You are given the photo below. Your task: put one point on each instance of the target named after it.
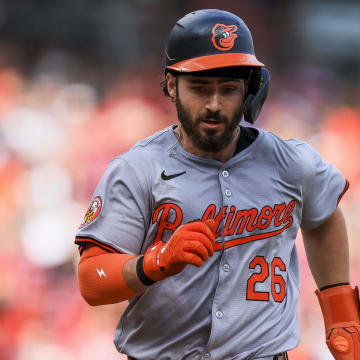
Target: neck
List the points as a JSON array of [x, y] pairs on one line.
[[222, 155]]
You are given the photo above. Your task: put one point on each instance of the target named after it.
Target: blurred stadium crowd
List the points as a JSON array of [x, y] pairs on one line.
[[59, 130]]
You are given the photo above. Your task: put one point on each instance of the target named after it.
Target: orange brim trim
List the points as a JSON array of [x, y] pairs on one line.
[[215, 61]]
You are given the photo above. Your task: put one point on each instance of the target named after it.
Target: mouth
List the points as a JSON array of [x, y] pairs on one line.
[[211, 123], [227, 40]]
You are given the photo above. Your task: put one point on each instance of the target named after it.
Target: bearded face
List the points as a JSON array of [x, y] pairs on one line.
[[220, 130]]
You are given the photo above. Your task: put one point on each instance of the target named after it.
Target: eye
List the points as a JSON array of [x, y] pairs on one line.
[[229, 90], [200, 90]]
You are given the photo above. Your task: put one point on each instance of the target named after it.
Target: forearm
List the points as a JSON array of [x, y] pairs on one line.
[[131, 276], [327, 251], [107, 278]]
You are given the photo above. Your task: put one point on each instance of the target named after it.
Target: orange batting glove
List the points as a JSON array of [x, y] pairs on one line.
[[191, 243], [341, 311]]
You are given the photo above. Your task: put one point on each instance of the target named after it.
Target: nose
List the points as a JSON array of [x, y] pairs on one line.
[[214, 102]]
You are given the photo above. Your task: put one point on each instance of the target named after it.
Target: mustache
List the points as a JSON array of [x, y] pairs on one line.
[[212, 115]]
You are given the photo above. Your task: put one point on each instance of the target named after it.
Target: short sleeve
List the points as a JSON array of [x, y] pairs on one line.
[[323, 187], [116, 217]]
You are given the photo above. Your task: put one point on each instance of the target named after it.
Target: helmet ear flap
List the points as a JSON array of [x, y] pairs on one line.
[[256, 94], [254, 81]]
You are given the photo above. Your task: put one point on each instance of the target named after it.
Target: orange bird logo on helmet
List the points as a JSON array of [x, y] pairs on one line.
[[223, 36]]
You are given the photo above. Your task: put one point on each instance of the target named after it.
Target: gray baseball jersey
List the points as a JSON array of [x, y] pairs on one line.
[[242, 303]]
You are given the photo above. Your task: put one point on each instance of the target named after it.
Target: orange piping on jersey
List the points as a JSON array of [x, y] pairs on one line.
[[247, 239], [81, 240], [347, 185]]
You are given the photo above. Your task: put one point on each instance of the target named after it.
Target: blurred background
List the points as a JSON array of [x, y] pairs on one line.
[[79, 84]]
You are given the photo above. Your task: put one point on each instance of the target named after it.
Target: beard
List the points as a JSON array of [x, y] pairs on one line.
[[209, 140]]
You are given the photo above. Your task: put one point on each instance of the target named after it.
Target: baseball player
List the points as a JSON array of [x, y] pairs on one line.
[[196, 225]]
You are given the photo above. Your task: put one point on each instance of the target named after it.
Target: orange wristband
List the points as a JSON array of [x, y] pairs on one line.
[[339, 305], [341, 310]]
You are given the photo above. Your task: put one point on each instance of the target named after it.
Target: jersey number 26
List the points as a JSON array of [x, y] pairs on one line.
[[277, 281]]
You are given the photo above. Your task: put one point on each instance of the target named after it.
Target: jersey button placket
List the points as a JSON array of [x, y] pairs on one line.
[[219, 314], [225, 173], [219, 305]]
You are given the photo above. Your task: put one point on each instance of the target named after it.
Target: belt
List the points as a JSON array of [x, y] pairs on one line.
[[282, 356]]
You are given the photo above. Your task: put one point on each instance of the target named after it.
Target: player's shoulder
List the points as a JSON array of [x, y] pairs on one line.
[[293, 148], [159, 142], [294, 159], [150, 148], [146, 152], [159, 139]]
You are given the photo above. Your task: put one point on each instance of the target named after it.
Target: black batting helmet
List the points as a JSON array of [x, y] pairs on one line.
[[212, 39]]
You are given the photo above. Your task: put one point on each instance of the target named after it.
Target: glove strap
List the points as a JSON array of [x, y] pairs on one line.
[[140, 273]]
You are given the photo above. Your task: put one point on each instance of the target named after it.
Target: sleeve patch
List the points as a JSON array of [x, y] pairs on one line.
[[92, 212]]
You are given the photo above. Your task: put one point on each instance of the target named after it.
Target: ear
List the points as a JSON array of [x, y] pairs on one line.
[[171, 85]]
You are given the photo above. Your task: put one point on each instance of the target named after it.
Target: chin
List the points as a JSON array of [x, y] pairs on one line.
[[211, 144]]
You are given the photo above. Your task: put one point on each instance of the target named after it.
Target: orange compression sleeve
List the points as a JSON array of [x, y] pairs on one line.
[[101, 277]]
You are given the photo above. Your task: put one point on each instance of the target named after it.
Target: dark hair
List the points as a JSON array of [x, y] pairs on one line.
[[163, 84], [236, 72]]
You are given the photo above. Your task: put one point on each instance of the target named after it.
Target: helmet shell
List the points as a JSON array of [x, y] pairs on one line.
[[209, 39]]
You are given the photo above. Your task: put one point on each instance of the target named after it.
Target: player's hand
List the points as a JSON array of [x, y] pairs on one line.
[[341, 311], [191, 243]]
